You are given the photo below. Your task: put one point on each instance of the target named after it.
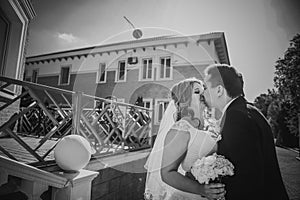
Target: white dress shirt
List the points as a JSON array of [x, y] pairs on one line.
[[226, 106]]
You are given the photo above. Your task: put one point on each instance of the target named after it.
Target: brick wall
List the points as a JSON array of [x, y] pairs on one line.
[[118, 184]]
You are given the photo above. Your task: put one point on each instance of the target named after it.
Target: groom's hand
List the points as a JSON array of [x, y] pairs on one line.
[[214, 191]]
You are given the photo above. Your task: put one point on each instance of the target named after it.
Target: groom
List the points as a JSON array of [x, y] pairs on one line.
[[247, 139]]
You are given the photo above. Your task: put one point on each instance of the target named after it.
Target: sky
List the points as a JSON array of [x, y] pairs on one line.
[[257, 32]]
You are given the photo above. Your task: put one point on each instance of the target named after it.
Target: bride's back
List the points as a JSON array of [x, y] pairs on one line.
[[200, 144]]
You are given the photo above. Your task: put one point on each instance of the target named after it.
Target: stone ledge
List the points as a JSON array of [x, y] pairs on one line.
[[112, 161]]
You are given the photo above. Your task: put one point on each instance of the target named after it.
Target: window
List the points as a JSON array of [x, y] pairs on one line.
[[165, 68], [147, 103], [101, 76], [25, 76], [64, 78], [160, 107], [4, 32], [34, 76], [121, 72], [147, 69]]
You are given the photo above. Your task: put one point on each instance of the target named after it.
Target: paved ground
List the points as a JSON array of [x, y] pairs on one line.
[[290, 170]]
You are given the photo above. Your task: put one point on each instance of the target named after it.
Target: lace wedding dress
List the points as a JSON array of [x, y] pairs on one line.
[[201, 144]]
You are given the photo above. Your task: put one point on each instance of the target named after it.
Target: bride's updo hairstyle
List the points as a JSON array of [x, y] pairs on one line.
[[181, 93]]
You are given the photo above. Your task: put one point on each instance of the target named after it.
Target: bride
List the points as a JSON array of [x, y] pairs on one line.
[[180, 141]]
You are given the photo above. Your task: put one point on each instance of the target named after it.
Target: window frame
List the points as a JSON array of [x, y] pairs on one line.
[[118, 72], [150, 100], [60, 75], [37, 75], [159, 68], [156, 110], [5, 45], [141, 69], [99, 73]]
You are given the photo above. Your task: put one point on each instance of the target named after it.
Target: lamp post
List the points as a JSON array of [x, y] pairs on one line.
[[137, 33]]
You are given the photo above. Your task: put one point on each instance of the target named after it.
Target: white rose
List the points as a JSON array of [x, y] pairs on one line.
[[210, 160]]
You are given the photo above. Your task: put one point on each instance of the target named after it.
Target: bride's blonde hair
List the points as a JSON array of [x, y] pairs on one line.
[[181, 93]]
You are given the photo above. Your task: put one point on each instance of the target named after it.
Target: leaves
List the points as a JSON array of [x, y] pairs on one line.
[[287, 81], [282, 106]]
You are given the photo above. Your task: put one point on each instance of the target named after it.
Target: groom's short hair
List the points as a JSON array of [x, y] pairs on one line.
[[228, 77]]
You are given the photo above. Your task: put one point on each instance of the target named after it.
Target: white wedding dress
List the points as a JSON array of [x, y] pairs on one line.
[[201, 143]]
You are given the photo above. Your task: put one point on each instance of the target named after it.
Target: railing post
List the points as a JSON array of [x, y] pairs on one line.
[[33, 188], [80, 186], [77, 108]]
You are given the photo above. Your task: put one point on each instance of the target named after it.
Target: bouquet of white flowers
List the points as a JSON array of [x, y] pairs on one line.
[[212, 168]]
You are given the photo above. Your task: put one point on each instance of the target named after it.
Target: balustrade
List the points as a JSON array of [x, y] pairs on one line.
[[47, 114]]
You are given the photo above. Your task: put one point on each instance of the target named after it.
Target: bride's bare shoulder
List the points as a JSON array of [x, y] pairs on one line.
[[179, 133], [182, 125]]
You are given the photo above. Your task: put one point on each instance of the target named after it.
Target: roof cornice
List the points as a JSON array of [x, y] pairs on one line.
[[126, 46]]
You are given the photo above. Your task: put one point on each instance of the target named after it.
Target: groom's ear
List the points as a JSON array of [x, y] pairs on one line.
[[220, 90]]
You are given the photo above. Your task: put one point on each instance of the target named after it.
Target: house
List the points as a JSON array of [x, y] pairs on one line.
[[130, 70], [15, 16]]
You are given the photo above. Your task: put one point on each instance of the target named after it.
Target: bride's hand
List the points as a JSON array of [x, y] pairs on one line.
[[214, 191]]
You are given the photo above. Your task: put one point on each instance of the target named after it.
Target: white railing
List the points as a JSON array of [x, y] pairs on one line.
[[49, 114]]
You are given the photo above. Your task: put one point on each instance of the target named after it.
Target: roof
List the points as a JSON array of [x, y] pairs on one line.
[[217, 37]]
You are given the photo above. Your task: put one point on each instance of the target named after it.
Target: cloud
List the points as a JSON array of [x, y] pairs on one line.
[[69, 38]]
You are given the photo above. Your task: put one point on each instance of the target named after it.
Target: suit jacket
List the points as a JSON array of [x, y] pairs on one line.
[[247, 141]]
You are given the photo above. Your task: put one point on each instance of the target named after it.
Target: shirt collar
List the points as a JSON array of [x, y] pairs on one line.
[[226, 106]]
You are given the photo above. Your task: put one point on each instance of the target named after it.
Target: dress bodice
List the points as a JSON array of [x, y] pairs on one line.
[[201, 143]]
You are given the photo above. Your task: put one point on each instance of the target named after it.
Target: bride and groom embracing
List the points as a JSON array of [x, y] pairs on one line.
[[246, 140]]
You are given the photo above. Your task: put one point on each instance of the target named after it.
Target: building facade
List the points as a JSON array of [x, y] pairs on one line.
[[15, 16], [130, 70]]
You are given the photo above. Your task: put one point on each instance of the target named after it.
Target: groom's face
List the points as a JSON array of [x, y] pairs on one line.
[[210, 93]]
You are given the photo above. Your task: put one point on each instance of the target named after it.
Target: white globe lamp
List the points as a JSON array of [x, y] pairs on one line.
[[72, 153]]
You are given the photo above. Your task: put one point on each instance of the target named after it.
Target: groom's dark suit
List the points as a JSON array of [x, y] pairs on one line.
[[247, 141]]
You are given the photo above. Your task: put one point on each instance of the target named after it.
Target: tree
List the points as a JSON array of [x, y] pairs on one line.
[[273, 114], [263, 101], [270, 105], [287, 81]]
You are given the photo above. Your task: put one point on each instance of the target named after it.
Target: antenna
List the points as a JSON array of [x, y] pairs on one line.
[[137, 33]]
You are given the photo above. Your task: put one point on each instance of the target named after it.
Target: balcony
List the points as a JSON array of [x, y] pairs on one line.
[[119, 133]]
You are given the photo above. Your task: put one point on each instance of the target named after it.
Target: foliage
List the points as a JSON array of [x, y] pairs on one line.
[[287, 81], [270, 105], [263, 101]]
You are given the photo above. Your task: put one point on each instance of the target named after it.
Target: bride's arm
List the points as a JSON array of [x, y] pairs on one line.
[[175, 147]]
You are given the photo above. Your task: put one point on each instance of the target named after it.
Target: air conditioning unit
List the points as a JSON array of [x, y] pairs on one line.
[[132, 60]]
